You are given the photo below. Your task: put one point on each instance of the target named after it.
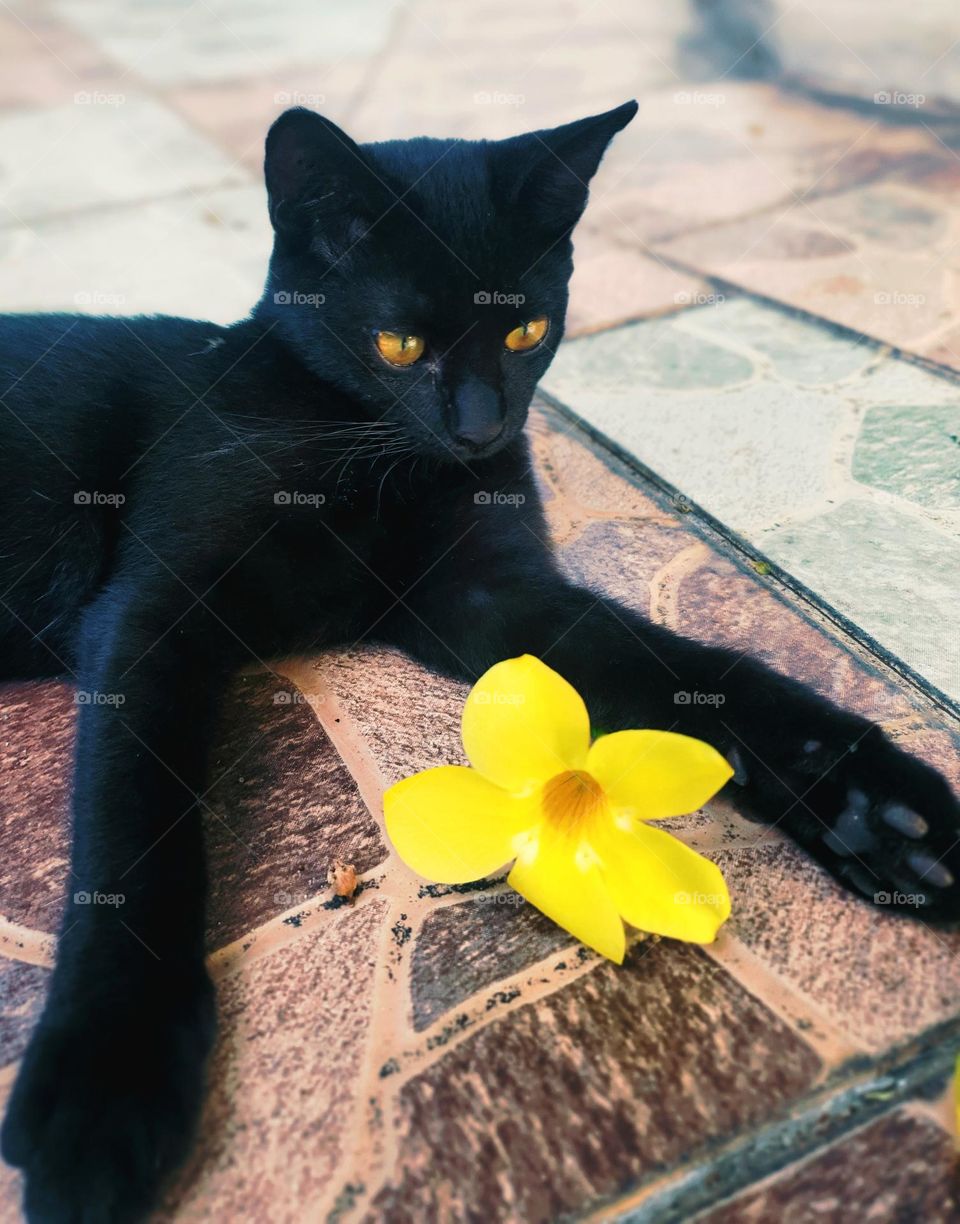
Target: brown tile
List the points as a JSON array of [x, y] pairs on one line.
[[36, 749], [237, 114], [22, 992], [612, 284], [722, 604], [622, 1074], [880, 977], [587, 475], [898, 1168], [44, 63], [283, 1077], [282, 806], [409, 718], [880, 259], [619, 560], [715, 151], [461, 949], [284, 809]]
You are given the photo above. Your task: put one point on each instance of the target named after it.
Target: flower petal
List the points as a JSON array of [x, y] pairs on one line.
[[660, 885], [451, 826], [523, 723], [655, 774], [571, 891]]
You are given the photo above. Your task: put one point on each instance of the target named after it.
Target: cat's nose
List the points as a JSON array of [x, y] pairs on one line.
[[477, 419]]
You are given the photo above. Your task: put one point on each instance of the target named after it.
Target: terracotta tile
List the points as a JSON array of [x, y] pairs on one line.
[[238, 113], [36, 750], [724, 605], [880, 259], [713, 151], [880, 977], [409, 717], [659, 1057], [900, 1167], [23, 989], [612, 284], [283, 1077], [284, 810], [619, 560], [461, 949], [44, 63]]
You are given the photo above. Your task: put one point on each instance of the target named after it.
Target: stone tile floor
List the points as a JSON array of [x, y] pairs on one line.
[[790, 487]]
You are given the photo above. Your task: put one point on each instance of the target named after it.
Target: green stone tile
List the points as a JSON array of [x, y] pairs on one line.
[[889, 572], [912, 450], [799, 440]]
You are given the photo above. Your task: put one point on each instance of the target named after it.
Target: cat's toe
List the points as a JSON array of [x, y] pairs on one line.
[[900, 850]]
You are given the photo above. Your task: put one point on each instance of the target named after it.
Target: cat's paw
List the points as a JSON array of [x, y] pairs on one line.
[[885, 824], [106, 1103]]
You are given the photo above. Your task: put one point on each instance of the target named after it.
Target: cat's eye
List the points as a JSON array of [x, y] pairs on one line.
[[398, 349], [527, 336]]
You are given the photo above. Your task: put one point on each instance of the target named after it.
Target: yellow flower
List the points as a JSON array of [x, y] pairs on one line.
[[572, 814]]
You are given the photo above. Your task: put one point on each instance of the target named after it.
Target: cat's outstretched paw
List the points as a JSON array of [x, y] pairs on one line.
[[106, 1102], [885, 824]]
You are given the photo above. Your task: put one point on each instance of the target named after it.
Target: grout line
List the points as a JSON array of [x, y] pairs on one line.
[[748, 554]]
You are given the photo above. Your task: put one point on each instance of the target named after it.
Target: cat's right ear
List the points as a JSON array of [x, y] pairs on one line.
[[316, 174]]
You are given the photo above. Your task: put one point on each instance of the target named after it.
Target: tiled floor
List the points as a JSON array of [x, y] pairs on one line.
[[446, 1054]]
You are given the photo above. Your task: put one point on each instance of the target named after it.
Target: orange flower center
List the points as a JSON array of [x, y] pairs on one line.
[[571, 800]]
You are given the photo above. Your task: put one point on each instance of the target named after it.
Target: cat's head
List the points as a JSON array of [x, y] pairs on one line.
[[428, 278]]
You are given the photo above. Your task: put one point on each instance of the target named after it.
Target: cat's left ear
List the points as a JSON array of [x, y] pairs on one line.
[[551, 170]]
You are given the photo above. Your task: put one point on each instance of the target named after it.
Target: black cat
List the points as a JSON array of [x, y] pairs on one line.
[[179, 497]]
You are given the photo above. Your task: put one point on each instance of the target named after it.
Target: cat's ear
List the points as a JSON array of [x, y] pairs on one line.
[[316, 173], [552, 169]]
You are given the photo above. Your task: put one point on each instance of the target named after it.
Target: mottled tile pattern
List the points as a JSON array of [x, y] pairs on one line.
[[202, 255], [610, 1092], [881, 259], [898, 1168], [150, 151], [36, 749], [443, 1053], [22, 991], [807, 445], [463, 948], [281, 811]]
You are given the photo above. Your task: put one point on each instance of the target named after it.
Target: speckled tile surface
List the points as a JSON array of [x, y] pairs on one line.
[[828, 455]]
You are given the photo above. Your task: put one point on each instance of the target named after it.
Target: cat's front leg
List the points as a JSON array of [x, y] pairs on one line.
[[882, 822], [108, 1094]]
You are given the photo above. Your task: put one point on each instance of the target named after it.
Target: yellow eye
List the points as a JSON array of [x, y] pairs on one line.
[[399, 350], [527, 335]]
